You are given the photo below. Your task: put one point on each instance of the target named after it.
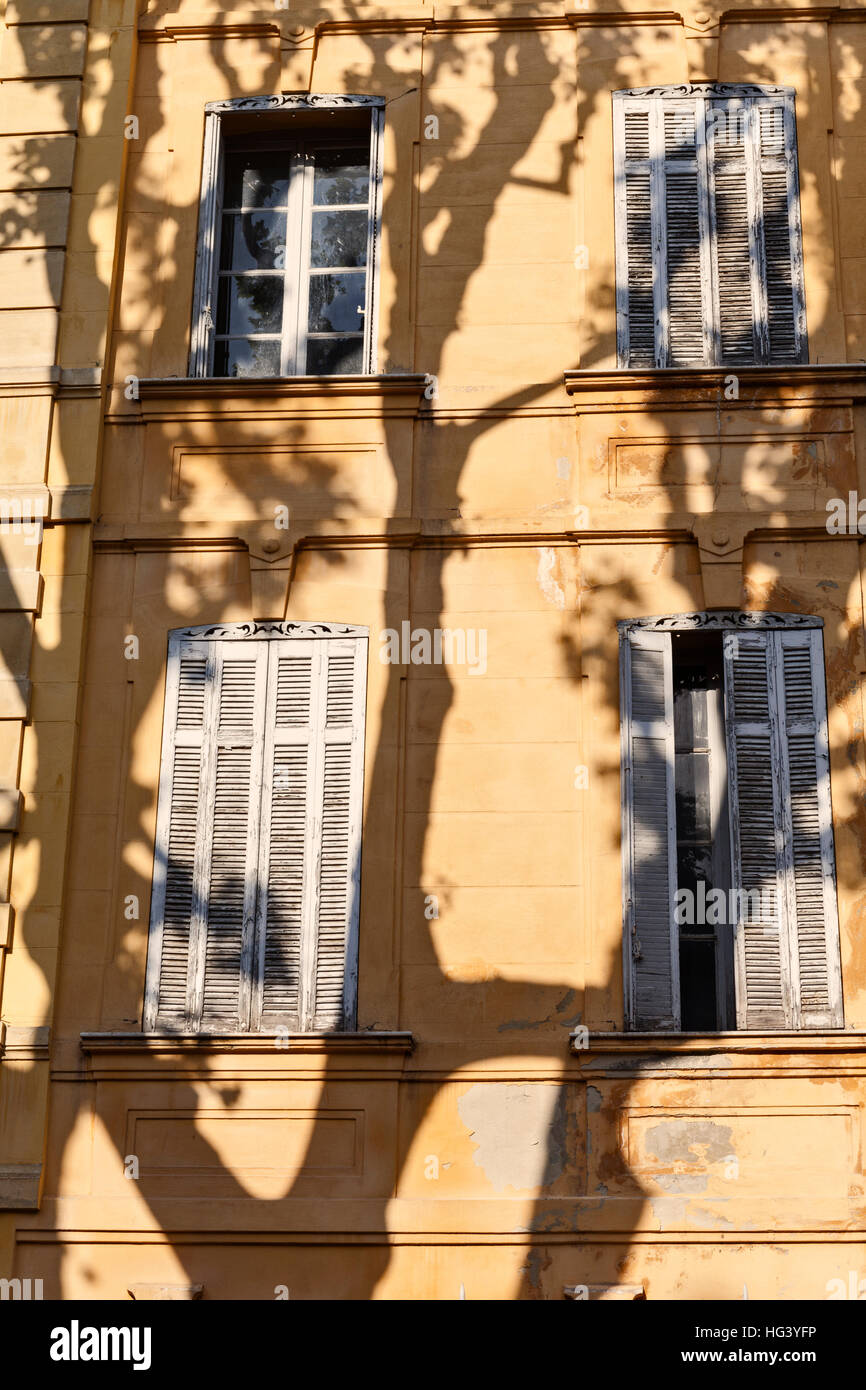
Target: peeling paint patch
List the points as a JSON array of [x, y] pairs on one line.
[[594, 1099], [689, 1141], [519, 1132], [547, 582], [537, 1261], [690, 1147]]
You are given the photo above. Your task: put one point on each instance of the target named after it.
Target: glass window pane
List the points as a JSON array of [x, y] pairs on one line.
[[256, 180], [342, 176], [250, 304], [334, 356], [694, 866], [339, 238], [254, 241], [240, 357], [692, 784], [337, 302], [690, 719]]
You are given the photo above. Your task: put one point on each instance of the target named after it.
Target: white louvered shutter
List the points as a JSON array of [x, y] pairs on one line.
[[287, 828], [707, 212], [203, 903], [788, 970], [255, 905], [649, 829], [311, 832], [635, 276]]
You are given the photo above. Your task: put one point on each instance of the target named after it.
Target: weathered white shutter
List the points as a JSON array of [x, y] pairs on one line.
[[780, 224], [788, 970], [739, 280], [637, 235], [287, 828], [707, 216], [756, 221], [649, 838], [203, 901], [254, 915], [311, 832]]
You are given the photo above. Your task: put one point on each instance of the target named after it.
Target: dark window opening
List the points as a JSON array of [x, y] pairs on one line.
[[706, 932]]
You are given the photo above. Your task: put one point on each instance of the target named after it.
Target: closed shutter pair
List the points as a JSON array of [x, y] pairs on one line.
[[255, 896], [708, 246], [787, 966]]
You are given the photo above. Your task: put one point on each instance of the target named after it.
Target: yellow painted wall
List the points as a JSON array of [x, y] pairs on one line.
[[539, 507]]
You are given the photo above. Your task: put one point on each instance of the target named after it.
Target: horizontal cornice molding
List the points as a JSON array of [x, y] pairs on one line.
[[236, 390], [60, 382], [257, 22], [602, 388], [408, 532], [182, 1044], [819, 1042]]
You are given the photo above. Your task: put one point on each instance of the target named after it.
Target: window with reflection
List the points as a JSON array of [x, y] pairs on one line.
[[287, 238], [292, 278]]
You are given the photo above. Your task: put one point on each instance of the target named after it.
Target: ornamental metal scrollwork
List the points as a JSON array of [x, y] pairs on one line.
[[724, 619], [706, 89], [303, 101], [245, 631]]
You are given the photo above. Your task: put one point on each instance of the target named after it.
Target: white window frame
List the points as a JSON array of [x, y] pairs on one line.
[[727, 622], [700, 94], [218, 116], [257, 632]]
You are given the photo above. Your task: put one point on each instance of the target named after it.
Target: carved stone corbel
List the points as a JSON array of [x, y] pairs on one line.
[[702, 30], [721, 540], [297, 51], [271, 556]]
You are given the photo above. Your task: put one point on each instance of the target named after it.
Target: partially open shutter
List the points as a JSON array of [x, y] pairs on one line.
[[649, 829], [203, 903], [757, 836], [810, 861], [339, 867], [311, 832], [787, 948]]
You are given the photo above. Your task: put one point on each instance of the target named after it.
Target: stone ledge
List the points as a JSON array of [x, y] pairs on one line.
[[22, 1042], [606, 390], [368, 1041], [51, 380], [19, 1186], [702, 1044], [234, 388]]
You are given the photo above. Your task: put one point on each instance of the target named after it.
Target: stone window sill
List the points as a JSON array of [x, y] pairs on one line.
[[822, 1052], [365, 1041], [631, 1044]]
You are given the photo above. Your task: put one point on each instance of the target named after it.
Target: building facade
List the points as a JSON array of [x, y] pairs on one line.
[[432, 717]]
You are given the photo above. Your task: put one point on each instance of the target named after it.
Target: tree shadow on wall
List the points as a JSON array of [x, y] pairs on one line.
[[491, 1020]]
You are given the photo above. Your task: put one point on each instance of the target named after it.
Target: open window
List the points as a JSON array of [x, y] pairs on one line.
[[709, 261], [254, 909], [288, 237], [729, 871]]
